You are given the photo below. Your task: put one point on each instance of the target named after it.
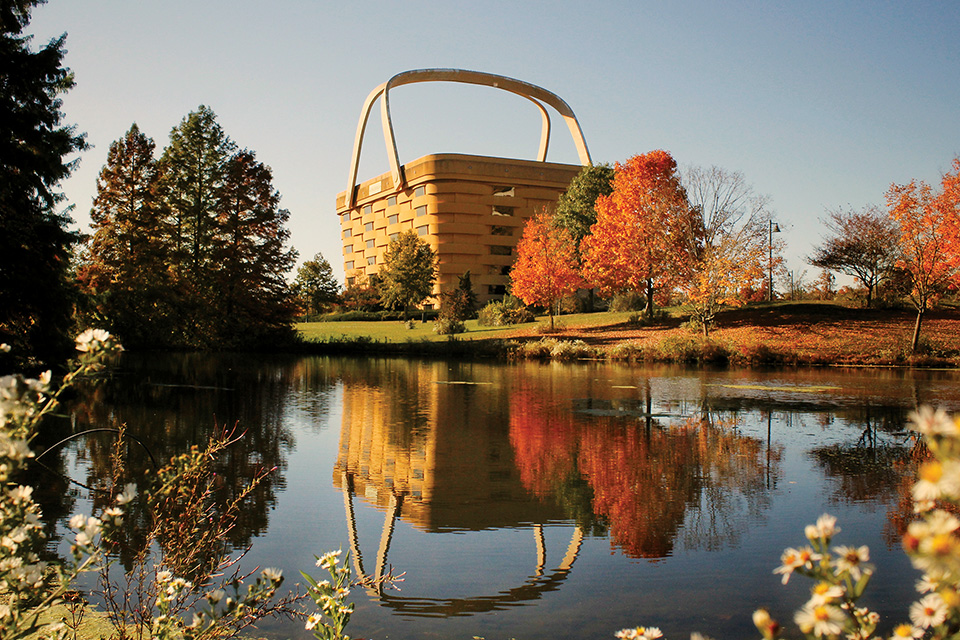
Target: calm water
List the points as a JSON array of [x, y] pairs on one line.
[[537, 500]]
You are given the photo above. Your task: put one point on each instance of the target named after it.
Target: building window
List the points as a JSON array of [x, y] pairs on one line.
[[499, 250], [372, 260], [421, 211], [504, 191], [422, 231], [367, 209], [350, 281], [347, 233], [505, 271], [497, 230], [347, 248], [419, 191], [392, 201], [502, 211], [346, 216], [348, 265], [368, 226], [496, 289], [393, 219], [370, 243], [394, 236]]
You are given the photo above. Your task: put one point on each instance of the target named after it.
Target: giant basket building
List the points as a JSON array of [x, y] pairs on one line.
[[470, 209]]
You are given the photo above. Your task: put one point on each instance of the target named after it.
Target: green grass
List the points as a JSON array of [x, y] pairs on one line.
[[394, 331]]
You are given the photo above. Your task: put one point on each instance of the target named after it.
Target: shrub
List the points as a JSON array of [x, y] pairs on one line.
[[508, 311], [448, 326]]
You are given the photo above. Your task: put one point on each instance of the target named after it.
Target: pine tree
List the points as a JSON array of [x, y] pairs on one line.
[[36, 297], [194, 166], [251, 298], [127, 265]]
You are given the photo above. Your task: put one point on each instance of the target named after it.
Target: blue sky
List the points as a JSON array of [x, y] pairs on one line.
[[818, 104]]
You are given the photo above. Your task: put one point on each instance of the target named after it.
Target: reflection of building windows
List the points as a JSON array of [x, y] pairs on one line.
[[368, 226], [372, 260], [347, 233], [370, 243], [419, 191], [421, 211], [393, 219], [422, 231], [498, 250], [498, 230], [367, 209], [496, 289], [392, 201], [504, 191], [348, 265], [502, 211]]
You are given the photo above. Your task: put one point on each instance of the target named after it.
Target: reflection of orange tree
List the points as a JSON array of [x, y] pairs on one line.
[[642, 481]]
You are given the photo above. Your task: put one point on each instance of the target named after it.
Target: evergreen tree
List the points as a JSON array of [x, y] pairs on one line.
[[127, 265], [36, 297], [316, 285], [194, 166], [461, 303], [251, 299]]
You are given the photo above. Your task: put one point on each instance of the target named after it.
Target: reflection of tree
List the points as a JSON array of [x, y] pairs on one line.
[[173, 402], [647, 482], [877, 469]]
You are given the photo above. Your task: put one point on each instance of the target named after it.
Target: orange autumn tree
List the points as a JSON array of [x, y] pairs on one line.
[[546, 267], [637, 242], [929, 238]]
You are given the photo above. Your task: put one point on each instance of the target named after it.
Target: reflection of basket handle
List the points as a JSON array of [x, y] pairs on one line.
[[535, 94], [532, 588]]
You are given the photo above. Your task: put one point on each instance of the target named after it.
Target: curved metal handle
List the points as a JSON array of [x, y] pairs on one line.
[[535, 94]]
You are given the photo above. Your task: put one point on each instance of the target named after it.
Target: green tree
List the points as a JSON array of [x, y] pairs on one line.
[[576, 208], [316, 285], [126, 268], [249, 256], [194, 165], [36, 296], [408, 272]]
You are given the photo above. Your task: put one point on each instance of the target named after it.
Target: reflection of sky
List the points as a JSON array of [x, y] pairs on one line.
[[691, 589]]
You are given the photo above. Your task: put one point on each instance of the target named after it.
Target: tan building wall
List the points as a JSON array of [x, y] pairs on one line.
[[470, 210]]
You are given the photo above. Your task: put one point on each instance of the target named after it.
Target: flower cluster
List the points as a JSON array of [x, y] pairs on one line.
[[330, 597], [30, 586], [841, 573]]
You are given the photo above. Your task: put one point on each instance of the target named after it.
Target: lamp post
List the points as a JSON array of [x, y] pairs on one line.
[[773, 228]]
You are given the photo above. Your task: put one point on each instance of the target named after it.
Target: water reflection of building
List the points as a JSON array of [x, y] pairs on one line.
[[436, 453]]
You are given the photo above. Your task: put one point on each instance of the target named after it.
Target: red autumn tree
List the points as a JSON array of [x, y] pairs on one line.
[[929, 238], [637, 242], [546, 267]]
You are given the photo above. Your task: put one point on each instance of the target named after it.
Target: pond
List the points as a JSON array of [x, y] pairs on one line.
[[536, 500]]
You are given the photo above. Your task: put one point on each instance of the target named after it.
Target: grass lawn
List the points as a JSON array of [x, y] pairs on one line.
[[396, 331]]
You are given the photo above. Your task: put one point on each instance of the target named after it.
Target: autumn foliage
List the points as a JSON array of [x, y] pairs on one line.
[[546, 267], [929, 238], [637, 243]]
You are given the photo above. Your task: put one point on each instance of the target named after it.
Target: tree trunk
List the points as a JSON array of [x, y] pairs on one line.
[[916, 330], [650, 299]]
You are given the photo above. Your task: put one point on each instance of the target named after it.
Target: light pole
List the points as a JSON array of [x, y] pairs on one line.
[[773, 228]]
